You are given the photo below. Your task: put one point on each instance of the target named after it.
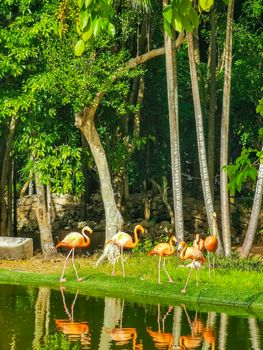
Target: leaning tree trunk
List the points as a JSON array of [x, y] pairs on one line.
[[225, 131], [200, 138], [212, 103], [46, 239], [172, 92], [85, 122], [4, 179], [252, 227]]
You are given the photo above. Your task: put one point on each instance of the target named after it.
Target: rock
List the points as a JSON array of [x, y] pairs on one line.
[[16, 248]]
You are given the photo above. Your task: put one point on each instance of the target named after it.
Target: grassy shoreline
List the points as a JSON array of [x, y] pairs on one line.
[[225, 289]]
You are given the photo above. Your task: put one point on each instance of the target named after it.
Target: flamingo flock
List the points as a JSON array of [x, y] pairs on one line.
[[113, 250]]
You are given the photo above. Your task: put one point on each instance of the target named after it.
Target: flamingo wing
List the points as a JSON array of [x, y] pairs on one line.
[[73, 239], [121, 239], [161, 249]]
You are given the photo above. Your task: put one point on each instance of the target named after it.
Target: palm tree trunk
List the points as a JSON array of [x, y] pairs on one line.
[[172, 91], [252, 227], [223, 331], [254, 333], [212, 103], [225, 131], [200, 138]]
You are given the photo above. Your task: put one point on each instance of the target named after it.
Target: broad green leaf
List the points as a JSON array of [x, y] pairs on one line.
[[96, 26], [87, 3], [79, 47], [206, 4], [86, 35], [194, 18], [167, 28], [168, 13], [83, 19], [80, 3], [260, 133], [111, 29], [177, 23], [185, 6], [187, 24]]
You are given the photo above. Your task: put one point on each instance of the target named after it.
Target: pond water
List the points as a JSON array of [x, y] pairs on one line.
[[41, 318]]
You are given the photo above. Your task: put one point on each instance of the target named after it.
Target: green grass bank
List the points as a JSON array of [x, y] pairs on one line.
[[227, 288]]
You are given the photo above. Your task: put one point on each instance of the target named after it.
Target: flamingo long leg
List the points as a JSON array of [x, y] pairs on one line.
[[62, 279], [186, 284], [113, 270], [159, 270], [122, 262], [76, 272], [170, 280], [209, 267], [214, 261], [196, 275]]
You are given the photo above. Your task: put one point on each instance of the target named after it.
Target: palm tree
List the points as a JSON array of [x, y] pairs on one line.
[[252, 227], [172, 91], [225, 131], [200, 137]]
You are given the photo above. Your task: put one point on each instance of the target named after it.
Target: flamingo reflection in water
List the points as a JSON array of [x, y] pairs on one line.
[[73, 330], [161, 339], [123, 335], [199, 334]]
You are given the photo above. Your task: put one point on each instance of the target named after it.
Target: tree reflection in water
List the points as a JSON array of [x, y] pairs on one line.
[[73, 330], [123, 335], [108, 323], [161, 339]]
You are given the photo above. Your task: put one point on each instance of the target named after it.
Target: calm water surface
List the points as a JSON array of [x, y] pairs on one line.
[[41, 318]]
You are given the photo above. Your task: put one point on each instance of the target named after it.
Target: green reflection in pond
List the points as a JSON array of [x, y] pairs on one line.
[[42, 319]]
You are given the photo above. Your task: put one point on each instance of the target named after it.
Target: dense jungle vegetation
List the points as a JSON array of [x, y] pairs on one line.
[[116, 96]]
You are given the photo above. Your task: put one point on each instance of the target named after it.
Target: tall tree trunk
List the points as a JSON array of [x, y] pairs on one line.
[[9, 219], [4, 178], [85, 122], [252, 227], [112, 315], [200, 138], [46, 239], [177, 325], [172, 92], [42, 315], [224, 198], [254, 333], [223, 333], [212, 103]]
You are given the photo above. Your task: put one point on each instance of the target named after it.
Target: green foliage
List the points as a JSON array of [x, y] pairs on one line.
[[234, 262], [144, 246], [260, 107], [59, 341], [94, 18], [241, 171]]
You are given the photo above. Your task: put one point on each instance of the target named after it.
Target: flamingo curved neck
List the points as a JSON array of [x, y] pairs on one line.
[[84, 234], [182, 255], [136, 239], [171, 244]]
